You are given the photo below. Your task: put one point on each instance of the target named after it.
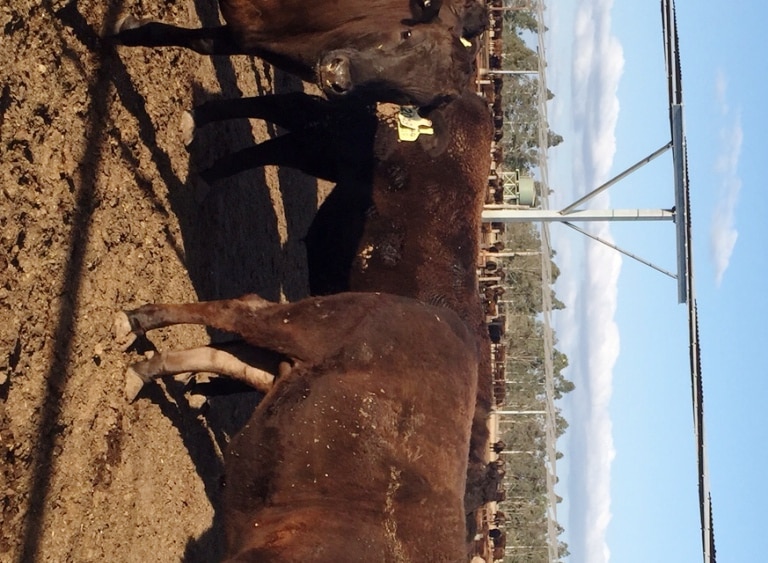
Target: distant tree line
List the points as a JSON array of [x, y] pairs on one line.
[[521, 95], [526, 504], [525, 480]]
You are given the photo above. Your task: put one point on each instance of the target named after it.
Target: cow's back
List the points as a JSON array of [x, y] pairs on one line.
[[279, 18], [316, 25]]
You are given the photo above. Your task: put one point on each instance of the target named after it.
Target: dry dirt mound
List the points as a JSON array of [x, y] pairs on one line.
[[100, 211]]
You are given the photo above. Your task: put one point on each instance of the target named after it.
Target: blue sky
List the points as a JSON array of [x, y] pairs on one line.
[[629, 477]]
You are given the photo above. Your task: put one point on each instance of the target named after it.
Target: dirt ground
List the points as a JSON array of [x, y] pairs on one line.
[[100, 210]]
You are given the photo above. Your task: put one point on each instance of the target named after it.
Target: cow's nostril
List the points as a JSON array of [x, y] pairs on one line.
[[338, 88], [335, 64]]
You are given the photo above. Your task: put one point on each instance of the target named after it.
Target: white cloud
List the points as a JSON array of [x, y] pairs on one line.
[[723, 233], [591, 449], [586, 328]]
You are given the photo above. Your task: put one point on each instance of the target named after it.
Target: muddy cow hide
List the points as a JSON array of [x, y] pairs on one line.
[[403, 218], [386, 50], [359, 451]]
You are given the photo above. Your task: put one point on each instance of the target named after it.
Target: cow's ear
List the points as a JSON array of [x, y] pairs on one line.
[[475, 20], [424, 11], [435, 144]]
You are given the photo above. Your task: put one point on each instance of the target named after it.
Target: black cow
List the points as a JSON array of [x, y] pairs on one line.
[[381, 49], [498, 446], [498, 537]]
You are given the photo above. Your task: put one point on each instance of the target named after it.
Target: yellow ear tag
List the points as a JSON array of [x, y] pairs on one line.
[[410, 124], [466, 42]]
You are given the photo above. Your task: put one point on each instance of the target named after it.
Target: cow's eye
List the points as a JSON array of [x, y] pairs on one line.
[[406, 34]]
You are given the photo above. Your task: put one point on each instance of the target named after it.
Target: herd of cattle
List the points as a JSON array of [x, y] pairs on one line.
[[372, 441]]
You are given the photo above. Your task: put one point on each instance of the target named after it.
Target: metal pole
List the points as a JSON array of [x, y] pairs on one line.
[[624, 252], [490, 255], [549, 216], [508, 72], [622, 175]]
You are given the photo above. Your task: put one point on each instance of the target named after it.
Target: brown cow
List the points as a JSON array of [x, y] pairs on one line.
[[404, 218], [381, 49], [360, 450], [420, 236]]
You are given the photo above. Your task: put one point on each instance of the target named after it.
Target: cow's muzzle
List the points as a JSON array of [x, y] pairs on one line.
[[334, 74]]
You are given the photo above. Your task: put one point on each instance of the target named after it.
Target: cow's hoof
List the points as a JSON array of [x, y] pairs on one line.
[[134, 383], [126, 23], [122, 332], [187, 127]]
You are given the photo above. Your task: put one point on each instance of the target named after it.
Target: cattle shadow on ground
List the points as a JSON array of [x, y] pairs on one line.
[[231, 246], [299, 195], [234, 247], [230, 232]]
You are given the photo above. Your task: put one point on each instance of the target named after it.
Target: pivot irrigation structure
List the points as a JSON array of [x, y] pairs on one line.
[[679, 214]]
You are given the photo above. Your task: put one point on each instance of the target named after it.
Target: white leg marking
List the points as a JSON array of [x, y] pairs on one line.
[[195, 360]]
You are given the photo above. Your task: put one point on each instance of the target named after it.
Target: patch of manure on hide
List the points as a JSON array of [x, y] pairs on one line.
[[390, 517]]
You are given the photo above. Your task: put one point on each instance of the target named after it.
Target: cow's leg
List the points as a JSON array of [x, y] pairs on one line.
[[206, 41], [303, 150], [292, 111], [306, 148], [217, 314], [259, 322], [333, 237], [204, 358], [304, 332]]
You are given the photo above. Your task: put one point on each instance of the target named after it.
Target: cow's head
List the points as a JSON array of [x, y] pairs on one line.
[[469, 17], [408, 63]]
